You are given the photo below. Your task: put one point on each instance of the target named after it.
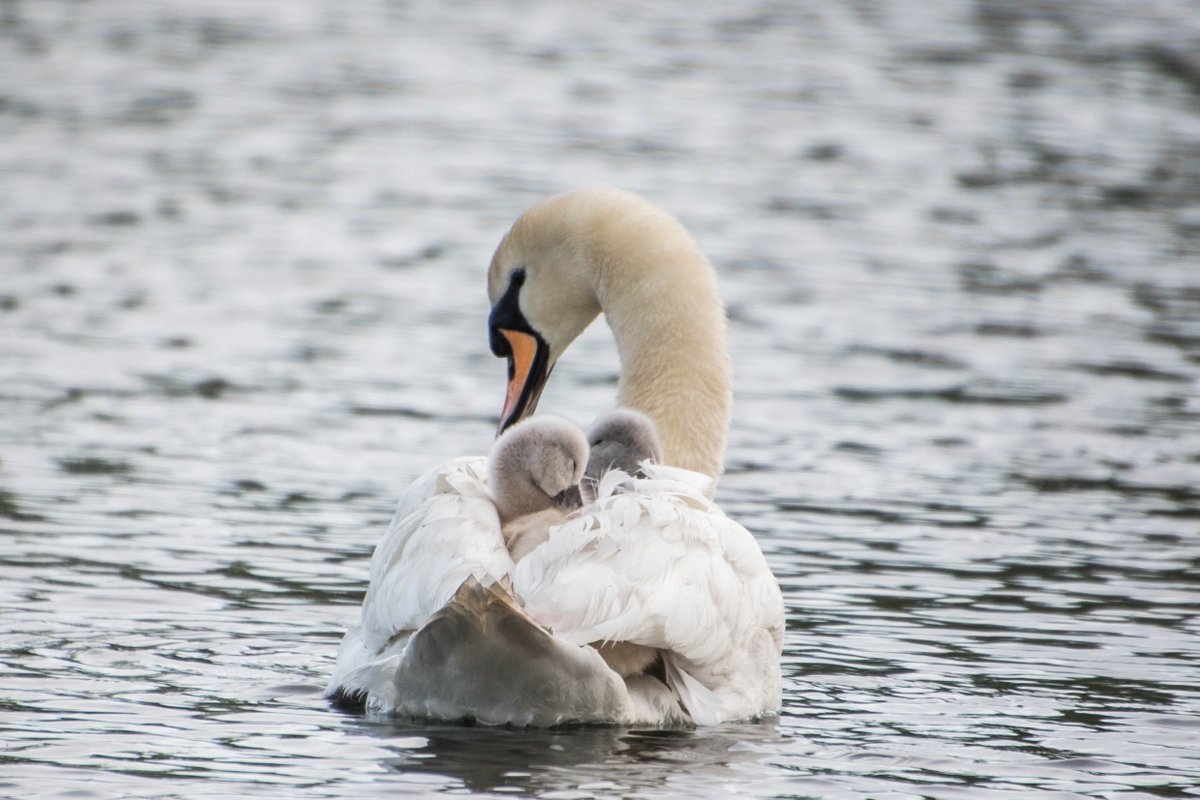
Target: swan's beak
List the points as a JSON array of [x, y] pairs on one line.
[[528, 370]]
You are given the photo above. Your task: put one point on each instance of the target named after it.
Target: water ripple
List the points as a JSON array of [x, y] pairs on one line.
[[242, 308]]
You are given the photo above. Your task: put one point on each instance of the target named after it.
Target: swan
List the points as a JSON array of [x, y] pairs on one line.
[[452, 627], [621, 439], [534, 470]]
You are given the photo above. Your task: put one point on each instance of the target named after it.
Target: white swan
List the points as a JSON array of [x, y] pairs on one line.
[[534, 471], [452, 628]]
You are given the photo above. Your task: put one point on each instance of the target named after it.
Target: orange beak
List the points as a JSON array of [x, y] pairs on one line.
[[527, 374]]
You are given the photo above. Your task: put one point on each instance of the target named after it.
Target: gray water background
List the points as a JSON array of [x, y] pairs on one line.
[[242, 306]]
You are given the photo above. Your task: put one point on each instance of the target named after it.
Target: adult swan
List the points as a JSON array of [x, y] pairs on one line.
[[647, 607]]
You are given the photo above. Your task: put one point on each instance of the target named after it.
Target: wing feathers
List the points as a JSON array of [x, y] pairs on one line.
[[658, 565]]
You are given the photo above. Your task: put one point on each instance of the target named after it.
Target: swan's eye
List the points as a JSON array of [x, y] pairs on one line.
[[506, 314]]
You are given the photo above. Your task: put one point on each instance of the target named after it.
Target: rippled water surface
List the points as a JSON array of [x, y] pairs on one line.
[[242, 306]]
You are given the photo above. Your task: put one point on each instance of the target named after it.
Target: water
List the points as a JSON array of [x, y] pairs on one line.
[[242, 306]]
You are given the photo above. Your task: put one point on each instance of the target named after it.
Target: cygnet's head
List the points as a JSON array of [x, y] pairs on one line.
[[622, 439], [535, 465]]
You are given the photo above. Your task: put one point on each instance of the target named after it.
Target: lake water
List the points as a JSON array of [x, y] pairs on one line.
[[242, 306]]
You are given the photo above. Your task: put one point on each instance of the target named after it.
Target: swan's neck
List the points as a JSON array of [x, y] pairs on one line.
[[660, 297]]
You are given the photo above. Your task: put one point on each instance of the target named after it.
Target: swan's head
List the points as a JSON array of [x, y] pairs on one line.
[[622, 439], [542, 286], [570, 257], [537, 465]]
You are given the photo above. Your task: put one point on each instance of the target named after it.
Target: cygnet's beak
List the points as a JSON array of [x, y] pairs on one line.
[[569, 499]]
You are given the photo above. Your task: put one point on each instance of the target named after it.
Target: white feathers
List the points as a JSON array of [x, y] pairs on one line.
[[445, 530]]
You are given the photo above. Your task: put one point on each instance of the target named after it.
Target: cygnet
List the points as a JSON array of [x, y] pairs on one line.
[[534, 471], [622, 439]]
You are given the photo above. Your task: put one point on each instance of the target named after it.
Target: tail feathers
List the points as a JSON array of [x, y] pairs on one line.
[[702, 704], [654, 703], [481, 657]]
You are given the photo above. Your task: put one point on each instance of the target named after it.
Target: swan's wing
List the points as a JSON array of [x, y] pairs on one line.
[[659, 565], [697, 481], [657, 476], [445, 530]]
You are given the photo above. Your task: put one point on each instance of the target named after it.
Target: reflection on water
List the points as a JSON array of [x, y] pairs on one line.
[[242, 306], [588, 758]]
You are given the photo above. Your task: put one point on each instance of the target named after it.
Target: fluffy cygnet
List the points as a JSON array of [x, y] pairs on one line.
[[622, 439], [534, 471]]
